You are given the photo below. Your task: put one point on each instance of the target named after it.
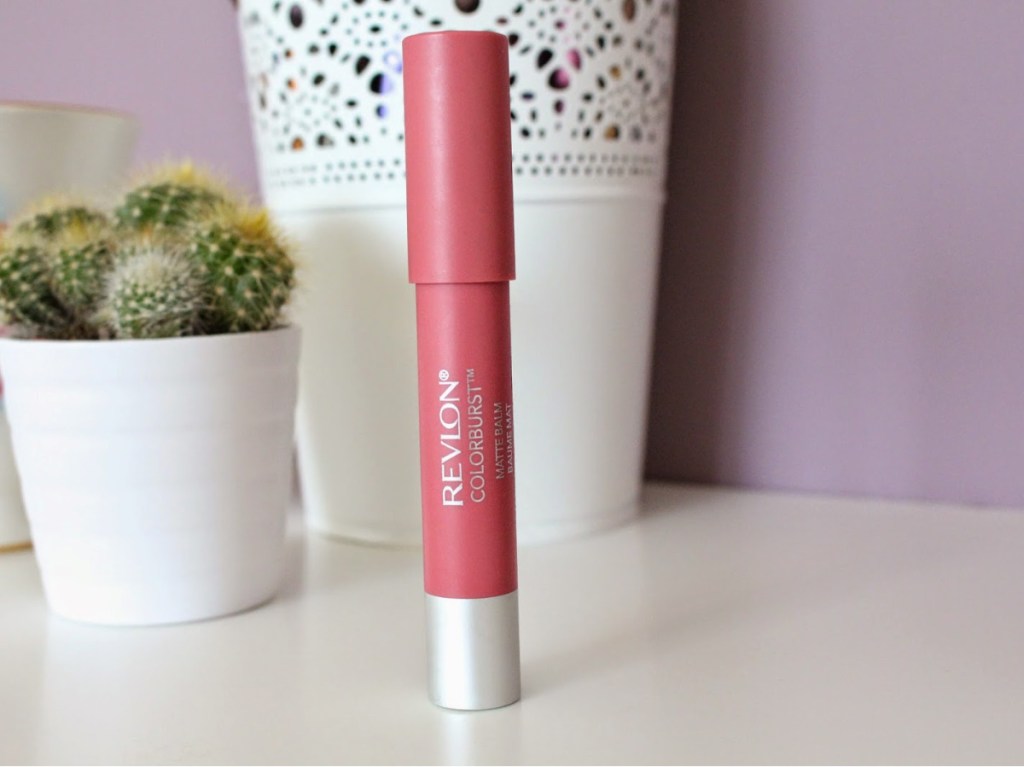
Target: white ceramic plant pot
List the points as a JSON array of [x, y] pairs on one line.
[[156, 474], [48, 148], [590, 96]]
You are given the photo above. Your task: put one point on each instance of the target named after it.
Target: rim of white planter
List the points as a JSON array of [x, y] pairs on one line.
[[60, 108], [156, 473]]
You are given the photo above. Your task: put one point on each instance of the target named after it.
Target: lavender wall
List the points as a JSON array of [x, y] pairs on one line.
[[843, 277], [174, 63], [842, 298]]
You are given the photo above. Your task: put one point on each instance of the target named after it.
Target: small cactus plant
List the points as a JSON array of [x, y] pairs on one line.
[[82, 256], [155, 294], [249, 274], [169, 202], [27, 301], [52, 218], [79, 276], [179, 256]]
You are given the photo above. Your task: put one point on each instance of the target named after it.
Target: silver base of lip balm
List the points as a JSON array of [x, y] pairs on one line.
[[473, 651]]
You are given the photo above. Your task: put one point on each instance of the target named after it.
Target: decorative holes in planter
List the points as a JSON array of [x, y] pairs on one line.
[[590, 86]]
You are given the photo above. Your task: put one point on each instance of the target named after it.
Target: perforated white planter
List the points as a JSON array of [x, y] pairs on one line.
[[591, 81], [156, 474]]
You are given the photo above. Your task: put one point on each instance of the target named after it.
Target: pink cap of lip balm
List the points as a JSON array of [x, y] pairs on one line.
[[458, 157]]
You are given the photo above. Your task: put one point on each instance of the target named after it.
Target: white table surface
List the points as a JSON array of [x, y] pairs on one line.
[[722, 626]]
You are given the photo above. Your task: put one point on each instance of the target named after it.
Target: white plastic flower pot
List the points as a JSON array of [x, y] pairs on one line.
[[590, 101], [48, 148], [157, 473]]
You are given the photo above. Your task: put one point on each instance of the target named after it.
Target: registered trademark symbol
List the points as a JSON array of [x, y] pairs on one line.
[[444, 375]]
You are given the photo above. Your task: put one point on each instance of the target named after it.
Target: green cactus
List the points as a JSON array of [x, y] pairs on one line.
[[179, 256], [249, 274], [168, 207], [53, 220], [79, 276], [154, 293], [27, 301]]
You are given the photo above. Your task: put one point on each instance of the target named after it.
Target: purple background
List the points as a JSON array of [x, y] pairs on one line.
[[842, 284], [175, 63], [842, 298]]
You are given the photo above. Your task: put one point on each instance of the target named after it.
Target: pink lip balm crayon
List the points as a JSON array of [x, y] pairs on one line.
[[461, 259]]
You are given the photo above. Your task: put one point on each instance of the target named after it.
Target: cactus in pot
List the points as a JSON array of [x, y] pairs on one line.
[[161, 445], [180, 255]]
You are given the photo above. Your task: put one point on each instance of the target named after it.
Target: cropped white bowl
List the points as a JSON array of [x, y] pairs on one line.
[[47, 148]]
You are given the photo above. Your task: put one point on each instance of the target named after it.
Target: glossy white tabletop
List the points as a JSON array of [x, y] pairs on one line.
[[721, 627]]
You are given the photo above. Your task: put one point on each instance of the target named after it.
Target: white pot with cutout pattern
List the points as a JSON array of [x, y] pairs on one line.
[[590, 97]]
